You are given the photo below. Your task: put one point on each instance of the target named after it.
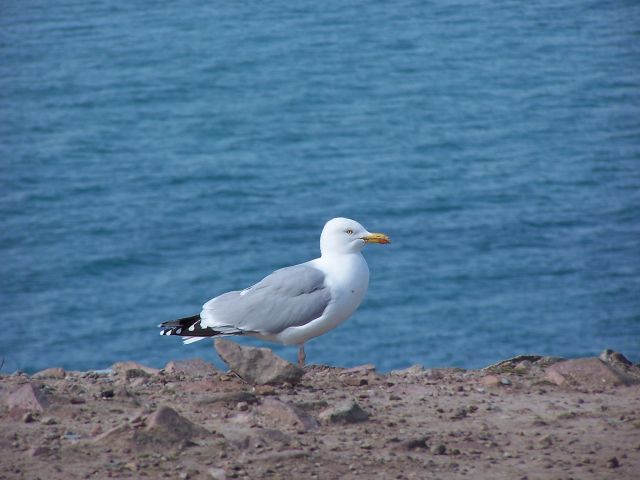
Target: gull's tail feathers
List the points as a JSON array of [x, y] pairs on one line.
[[191, 328]]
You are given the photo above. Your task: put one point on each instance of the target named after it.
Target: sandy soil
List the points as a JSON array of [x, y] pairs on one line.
[[522, 419]]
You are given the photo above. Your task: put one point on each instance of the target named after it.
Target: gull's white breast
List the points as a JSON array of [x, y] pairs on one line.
[[347, 276]]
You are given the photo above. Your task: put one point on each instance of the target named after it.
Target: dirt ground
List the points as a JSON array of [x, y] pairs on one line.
[[527, 418]]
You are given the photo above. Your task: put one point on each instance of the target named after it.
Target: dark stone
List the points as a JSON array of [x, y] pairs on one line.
[[613, 463], [439, 449], [107, 393], [415, 443]]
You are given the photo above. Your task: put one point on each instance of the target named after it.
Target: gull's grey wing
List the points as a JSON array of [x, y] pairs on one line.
[[291, 296]]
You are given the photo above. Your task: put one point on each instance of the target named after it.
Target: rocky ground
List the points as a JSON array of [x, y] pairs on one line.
[[526, 418]]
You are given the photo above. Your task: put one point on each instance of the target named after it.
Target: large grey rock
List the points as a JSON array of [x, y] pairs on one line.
[[259, 366]]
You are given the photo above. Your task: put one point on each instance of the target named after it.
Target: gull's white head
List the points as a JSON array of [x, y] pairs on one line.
[[343, 235]]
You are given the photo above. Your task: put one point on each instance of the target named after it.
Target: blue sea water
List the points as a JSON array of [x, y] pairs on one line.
[[154, 155]]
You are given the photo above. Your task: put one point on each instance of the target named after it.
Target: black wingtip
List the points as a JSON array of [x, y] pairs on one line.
[[185, 322]]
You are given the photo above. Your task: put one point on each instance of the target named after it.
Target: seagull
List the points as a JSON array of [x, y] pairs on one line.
[[293, 304]]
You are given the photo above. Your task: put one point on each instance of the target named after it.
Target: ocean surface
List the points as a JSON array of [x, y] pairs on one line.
[[155, 155]]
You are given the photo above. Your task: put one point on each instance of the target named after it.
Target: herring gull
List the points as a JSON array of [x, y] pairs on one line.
[[293, 304]]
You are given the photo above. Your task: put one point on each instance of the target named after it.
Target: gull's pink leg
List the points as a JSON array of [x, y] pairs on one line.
[[301, 356]]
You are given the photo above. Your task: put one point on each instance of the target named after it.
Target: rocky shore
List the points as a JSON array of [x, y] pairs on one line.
[[529, 417]]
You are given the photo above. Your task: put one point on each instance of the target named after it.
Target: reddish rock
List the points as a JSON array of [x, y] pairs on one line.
[[490, 381], [28, 397], [166, 420], [166, 427], [553, 376], [588, 373], [55, 372], [258, 366], [288, 415], [193, 368]]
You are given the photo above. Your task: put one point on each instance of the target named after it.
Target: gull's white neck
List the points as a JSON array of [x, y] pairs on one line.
[[347, 272]]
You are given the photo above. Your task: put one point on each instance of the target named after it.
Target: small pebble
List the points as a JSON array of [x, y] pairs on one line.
[[439, 449], [28, 417], [613, 463]]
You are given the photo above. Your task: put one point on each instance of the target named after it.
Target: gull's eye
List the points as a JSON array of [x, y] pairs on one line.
[[348, 231]]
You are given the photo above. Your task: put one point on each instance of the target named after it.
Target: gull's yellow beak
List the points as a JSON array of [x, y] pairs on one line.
[[376, 238]]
